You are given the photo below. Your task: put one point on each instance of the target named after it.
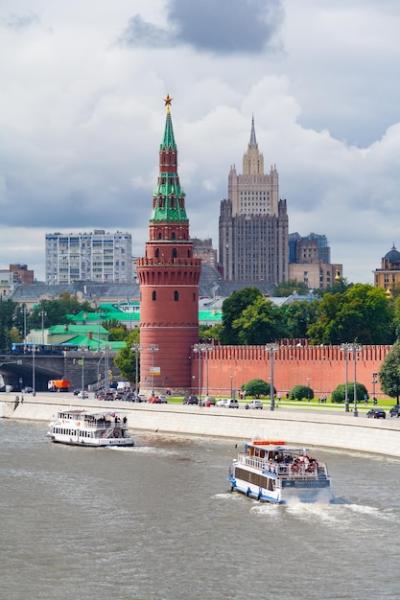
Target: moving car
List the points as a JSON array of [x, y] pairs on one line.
[[256, 404], [83, 394], [376, 413], [395, 411]]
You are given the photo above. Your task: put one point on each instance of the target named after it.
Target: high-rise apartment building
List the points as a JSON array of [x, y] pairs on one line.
[[253, 223], [96, 256]]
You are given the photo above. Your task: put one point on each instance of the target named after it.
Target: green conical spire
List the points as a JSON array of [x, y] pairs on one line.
[[169, 198], [169, 140]]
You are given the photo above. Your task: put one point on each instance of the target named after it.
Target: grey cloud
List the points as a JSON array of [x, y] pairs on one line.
[[226, 26], [22, 21], [142, 33]]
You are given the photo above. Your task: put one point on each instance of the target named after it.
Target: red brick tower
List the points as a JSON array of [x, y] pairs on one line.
[[169, 277]]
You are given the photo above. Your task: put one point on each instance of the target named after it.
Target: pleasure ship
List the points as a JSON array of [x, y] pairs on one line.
[[81, 428], [271, 471]]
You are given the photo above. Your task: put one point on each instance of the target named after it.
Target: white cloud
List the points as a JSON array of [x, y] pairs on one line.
[[81, 120]]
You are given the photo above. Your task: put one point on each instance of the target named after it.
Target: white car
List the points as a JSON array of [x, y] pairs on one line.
[[221, 402], [228, 403], [83, 394], [257, 404]]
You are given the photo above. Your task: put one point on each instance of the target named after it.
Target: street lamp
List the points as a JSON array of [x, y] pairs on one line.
[[308, 389], [374, 382], [43, 314], [272, 349], [136, 349], [153, 348], [33, 371], [347, 349], [203, 348]]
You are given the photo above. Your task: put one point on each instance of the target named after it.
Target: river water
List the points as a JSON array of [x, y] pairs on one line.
[[157, 522]]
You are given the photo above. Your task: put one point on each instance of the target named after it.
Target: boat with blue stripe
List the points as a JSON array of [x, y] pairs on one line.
[[271, 471]]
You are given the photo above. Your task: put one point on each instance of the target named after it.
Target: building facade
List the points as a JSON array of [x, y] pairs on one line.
[[169, 281], [21, 274], [97, 256], [387, 276], [253, 223], [204, 250], [309, 261]]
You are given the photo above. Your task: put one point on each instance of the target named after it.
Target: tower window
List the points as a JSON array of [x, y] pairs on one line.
[[154, 295], [159, 235], [174, 253], [173, 235], [194, 297], [157, 253], [176, 296], [189, 253]]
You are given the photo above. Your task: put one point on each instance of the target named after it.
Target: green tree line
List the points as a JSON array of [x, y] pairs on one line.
[[359, 312]]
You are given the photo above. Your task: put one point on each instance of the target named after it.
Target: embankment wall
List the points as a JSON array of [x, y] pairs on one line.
[[314, 429]]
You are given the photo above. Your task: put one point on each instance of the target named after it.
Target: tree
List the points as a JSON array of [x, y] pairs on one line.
[[298, 316], [259, 323], [389, 374], [300, 392], [56, 311], [126, 358], [362, 313], [339, 393], [7, 320], [232, 308], [257, 388], [117, 332], [286, 288], [210, 333]]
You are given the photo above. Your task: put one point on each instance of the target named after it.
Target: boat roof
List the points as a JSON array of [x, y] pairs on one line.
[[274, 445], [85, 413]]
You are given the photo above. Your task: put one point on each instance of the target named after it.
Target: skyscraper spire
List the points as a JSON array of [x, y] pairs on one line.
[[253, 141]]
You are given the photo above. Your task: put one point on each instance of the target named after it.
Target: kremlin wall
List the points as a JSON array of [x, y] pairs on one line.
[[226, 368]]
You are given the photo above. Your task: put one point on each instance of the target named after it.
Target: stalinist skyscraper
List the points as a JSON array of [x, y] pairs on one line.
[[253, 223]]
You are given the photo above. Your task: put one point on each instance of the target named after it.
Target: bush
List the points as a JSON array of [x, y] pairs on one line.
[[300, 392], [338, 395], [257, 388]]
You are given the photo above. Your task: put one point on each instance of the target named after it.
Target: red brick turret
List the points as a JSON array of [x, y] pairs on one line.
[[168, 277]]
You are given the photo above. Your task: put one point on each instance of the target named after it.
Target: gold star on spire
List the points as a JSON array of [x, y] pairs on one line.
[[167, 103]]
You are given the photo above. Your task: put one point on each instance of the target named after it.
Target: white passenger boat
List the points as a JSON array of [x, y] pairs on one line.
[[81, 428], [271, 471]]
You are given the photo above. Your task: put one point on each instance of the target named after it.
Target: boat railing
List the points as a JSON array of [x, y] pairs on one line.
[[294, 470]]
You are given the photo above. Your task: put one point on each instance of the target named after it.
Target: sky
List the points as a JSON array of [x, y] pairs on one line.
[[81, 116]]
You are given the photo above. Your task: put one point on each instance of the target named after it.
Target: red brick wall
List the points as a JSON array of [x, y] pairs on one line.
[[321, 367]]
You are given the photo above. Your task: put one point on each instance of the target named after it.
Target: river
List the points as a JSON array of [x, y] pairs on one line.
[[157, 522]]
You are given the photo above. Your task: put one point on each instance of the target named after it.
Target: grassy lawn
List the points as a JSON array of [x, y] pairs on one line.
[[384, 403]]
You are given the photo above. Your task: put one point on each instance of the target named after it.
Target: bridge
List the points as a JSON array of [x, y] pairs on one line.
[[17, 370]]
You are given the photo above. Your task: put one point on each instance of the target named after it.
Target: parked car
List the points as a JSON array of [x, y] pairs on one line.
[[222, 402], [191, 400], [232, 403], [76, 392], [209, 401], [228, 403], [395, 411], [162, 400], [83, 394], [376, 413], [27, 390], [256, 404]]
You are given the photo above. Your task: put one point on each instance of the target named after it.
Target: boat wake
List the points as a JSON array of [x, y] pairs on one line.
[[144, 450]]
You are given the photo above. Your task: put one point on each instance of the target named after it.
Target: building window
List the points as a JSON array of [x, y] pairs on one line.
[[154, 295], [176, 296], [157, 253], [174, 253], [173, 235], [194, 297], [159, 235]]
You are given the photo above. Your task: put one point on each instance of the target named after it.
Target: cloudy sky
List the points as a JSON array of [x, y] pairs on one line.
[[81, 115]]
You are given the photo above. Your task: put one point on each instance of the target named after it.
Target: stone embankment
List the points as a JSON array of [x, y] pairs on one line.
[[310, 429]]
